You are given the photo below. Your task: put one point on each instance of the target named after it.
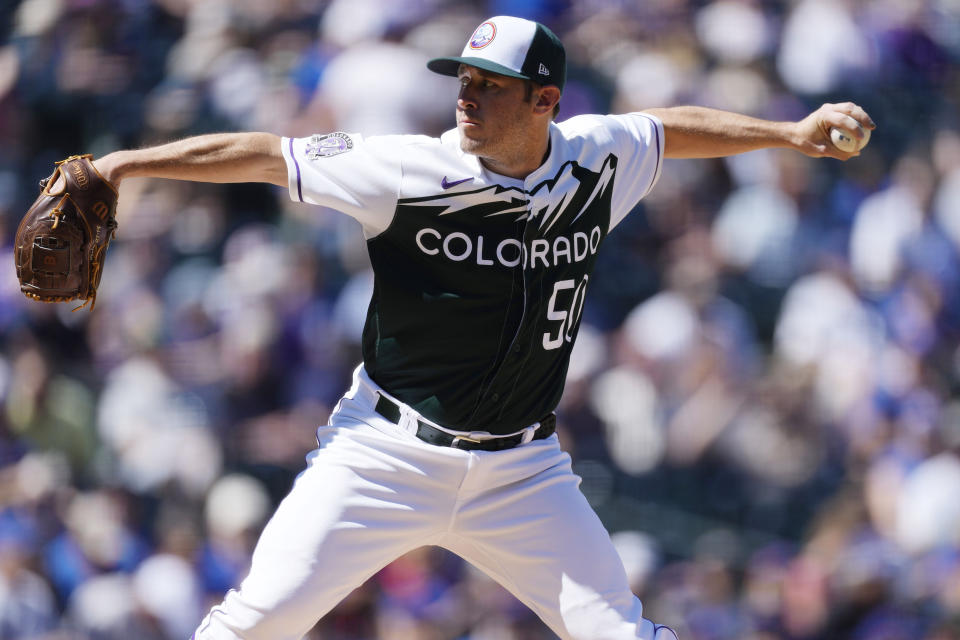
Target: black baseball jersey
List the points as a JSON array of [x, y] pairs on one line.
[[479, 279]]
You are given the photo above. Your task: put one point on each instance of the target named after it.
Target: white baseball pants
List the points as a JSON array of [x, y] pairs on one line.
[[371, 492]]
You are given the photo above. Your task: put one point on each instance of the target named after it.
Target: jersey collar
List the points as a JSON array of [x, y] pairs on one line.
[[452, 137]]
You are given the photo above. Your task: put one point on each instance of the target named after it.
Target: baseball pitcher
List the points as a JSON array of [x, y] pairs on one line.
[[482, 243]]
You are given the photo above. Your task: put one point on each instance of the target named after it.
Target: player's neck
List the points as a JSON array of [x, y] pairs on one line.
[[523, 161]]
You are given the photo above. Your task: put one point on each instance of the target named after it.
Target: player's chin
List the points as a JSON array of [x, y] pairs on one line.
[[471, 145]]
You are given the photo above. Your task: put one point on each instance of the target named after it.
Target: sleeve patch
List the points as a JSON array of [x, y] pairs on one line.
[[329, 144]]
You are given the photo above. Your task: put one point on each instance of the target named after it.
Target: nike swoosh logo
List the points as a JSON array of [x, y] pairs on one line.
[[446, 185]]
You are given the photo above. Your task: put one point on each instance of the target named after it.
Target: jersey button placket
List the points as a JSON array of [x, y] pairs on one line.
[[510, 367], [516, 361]]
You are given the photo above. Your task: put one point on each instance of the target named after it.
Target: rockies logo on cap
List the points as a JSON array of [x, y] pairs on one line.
[[483, 36], [512, 47]]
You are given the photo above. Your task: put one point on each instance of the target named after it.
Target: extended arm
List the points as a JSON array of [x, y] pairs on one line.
[[218, 157], [700, 132]]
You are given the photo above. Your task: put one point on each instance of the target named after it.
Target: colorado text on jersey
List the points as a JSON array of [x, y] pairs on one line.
[[563, 201]]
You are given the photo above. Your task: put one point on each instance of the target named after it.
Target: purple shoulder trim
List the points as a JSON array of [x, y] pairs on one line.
[[297, 165], [656, 132]]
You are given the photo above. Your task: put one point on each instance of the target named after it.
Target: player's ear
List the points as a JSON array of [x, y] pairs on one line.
[[547, 99]]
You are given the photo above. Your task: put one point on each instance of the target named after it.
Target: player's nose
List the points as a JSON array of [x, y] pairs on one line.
[[466, 98]]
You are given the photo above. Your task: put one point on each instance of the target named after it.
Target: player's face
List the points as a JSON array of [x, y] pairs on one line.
[[494, 115]]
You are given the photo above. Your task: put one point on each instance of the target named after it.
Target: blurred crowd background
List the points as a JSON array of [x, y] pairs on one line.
[[763, 404]]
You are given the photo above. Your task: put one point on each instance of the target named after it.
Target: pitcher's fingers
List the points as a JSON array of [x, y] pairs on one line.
[[844, 122], [858, 113]]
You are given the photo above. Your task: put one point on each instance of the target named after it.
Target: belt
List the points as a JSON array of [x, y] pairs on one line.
[[432, 435]]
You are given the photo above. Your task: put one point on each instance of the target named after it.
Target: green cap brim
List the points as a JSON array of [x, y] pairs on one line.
[[450, 66]]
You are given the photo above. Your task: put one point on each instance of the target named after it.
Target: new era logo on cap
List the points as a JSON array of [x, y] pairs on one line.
[[512, 47]]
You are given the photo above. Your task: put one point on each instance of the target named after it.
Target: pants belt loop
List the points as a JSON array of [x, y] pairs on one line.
[[529, 432], [408, 420]]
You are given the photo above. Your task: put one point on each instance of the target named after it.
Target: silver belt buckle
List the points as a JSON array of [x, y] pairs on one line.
[[465, 438]]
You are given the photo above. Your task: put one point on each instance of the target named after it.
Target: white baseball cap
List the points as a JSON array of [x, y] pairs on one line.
[[512, 47]]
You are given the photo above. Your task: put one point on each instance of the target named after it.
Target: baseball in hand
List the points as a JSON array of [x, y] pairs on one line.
[[846, 143]]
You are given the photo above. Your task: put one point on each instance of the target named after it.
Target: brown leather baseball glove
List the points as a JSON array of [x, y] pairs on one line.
[[63, 239]]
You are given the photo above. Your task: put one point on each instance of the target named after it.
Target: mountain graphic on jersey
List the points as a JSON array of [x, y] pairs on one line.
[[568, 195]]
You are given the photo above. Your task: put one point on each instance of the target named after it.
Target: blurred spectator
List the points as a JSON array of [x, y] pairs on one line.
[[27, 605]]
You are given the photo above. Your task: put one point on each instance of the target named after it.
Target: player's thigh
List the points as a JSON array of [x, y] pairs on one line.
[[541, 540], [341, 522]]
